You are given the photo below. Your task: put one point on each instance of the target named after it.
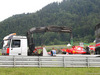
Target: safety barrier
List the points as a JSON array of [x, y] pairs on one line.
[[49, 61]]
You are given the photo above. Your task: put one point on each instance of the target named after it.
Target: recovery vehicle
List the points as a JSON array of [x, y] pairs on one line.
[[97, 34], [24, 45]]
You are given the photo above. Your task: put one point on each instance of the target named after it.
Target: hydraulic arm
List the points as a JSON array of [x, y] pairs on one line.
[[31, 44]]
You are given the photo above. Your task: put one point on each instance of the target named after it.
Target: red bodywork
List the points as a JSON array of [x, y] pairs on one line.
[[37, 48], [75, 50], [97, 45], [92, 47], [78, 49]]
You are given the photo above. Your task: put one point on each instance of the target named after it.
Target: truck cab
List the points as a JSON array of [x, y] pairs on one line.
[[17, 45], [97, 34]]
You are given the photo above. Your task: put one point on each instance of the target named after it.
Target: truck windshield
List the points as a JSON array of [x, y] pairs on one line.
[[15, 43]]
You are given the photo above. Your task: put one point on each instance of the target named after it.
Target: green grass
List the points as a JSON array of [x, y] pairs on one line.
[[49, 71]]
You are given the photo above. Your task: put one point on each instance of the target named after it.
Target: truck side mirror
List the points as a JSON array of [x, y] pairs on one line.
[[2, 43]]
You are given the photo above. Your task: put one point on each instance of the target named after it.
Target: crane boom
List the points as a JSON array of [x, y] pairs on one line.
[[31, 44]]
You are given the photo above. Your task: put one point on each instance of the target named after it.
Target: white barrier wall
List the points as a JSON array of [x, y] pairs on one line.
[[59, 61]]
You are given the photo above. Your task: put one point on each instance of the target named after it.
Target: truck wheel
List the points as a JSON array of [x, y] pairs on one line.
[[87, 50], [92, 52], [97, 50]]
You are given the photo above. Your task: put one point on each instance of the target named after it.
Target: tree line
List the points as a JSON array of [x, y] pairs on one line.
[[80, 15]]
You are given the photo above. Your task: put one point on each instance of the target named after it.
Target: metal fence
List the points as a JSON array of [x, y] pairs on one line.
[[58, 61]]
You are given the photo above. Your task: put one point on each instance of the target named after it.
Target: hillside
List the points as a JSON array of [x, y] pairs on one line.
[[80, 15]]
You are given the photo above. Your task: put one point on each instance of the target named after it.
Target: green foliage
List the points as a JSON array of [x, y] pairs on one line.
[[80, 15]]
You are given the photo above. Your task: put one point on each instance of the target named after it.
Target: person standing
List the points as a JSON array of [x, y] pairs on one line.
[[53, 52]]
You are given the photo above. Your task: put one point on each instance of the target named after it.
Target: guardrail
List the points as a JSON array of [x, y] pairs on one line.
[[40, 61]]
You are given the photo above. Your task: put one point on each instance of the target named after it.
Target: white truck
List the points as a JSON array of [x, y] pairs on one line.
[[22, 45]]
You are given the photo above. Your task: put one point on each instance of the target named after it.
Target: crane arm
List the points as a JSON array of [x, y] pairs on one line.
[[50, 29], [31, 44]]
